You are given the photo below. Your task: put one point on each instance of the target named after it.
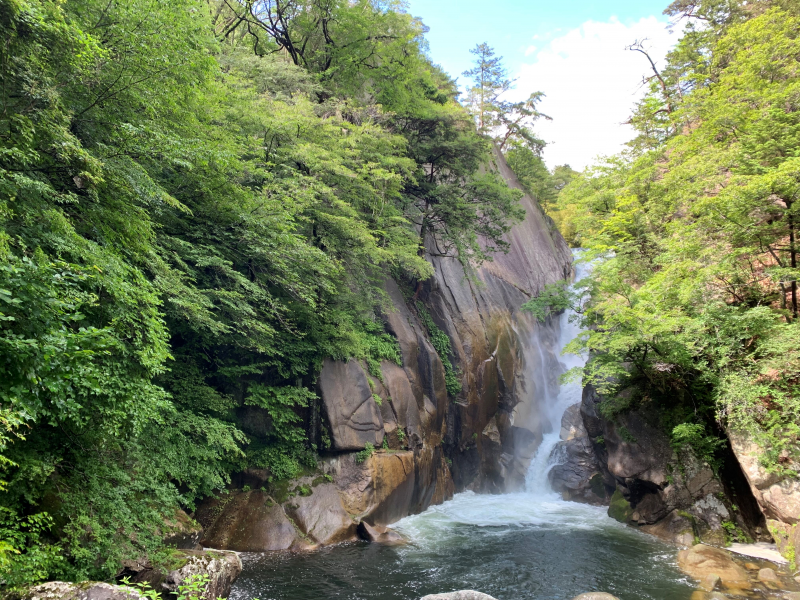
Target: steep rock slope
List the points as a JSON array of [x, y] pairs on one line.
[[630, 464], [429, 444]]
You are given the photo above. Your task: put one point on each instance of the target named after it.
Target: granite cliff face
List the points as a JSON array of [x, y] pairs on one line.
[[628, 463], [428, 444]]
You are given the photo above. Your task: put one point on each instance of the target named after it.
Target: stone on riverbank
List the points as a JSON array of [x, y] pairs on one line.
[[700, 561], [87, 590], [222, 569], [768, 576], [710, 583], [595, 596]]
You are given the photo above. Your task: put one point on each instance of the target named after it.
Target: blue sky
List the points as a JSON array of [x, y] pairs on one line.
[[572, 50]]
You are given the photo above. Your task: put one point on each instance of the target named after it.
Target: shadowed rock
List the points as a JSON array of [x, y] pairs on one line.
[[379, 534], [246, 522]]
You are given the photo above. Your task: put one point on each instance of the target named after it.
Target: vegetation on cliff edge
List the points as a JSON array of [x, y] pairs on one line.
[[198, 203], [694, 300]]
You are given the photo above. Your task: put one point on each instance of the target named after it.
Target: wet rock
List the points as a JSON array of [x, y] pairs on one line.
[[462, 595], [595, 596], [572, 424], [87, 590], [619, 508], [222, 569], [767, 575], [246, 522], [321, 516], [700, 561], [578, 475], [379, 534], [676, 527], [709, 583], [351, 410]]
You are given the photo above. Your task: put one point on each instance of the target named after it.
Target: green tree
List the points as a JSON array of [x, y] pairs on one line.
[[504, 121], [694, 294], [192, 217]]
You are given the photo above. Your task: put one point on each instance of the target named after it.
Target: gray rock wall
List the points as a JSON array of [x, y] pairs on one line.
[[630, 461], [493, 428], [483, 439]]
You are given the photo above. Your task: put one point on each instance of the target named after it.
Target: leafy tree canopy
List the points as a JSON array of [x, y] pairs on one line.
[[694, 230], [198, 204]]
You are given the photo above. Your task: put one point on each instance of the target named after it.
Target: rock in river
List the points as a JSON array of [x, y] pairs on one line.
[[700, 561], [379, 534]]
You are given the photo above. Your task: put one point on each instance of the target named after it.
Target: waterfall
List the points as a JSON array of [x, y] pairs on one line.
[[556, 402]]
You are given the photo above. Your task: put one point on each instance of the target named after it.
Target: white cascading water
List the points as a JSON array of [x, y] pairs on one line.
[[538, 504], [556, 403], [529, 545]]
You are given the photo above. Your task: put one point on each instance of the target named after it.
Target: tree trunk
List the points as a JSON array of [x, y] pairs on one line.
[[793, 262]]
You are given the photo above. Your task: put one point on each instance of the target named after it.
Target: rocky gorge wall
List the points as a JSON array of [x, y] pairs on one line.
[[428, 444], [628, 463]]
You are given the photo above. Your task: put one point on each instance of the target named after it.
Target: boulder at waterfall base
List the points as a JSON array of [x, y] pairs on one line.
[[701, 561]]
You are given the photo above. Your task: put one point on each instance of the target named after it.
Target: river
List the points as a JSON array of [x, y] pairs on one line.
[[522, 546]]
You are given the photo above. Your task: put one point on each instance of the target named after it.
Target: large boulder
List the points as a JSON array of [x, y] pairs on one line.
[[669, 494], [778, 496], [321, 515], [701, 561], [676, 527], [246, 522], [221, 568], [380, 489], [349, 405], [308, 511], [578, 476], [87, 590]]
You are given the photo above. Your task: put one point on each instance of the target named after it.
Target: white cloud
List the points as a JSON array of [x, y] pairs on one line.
[[530, 50], [591, 83]]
